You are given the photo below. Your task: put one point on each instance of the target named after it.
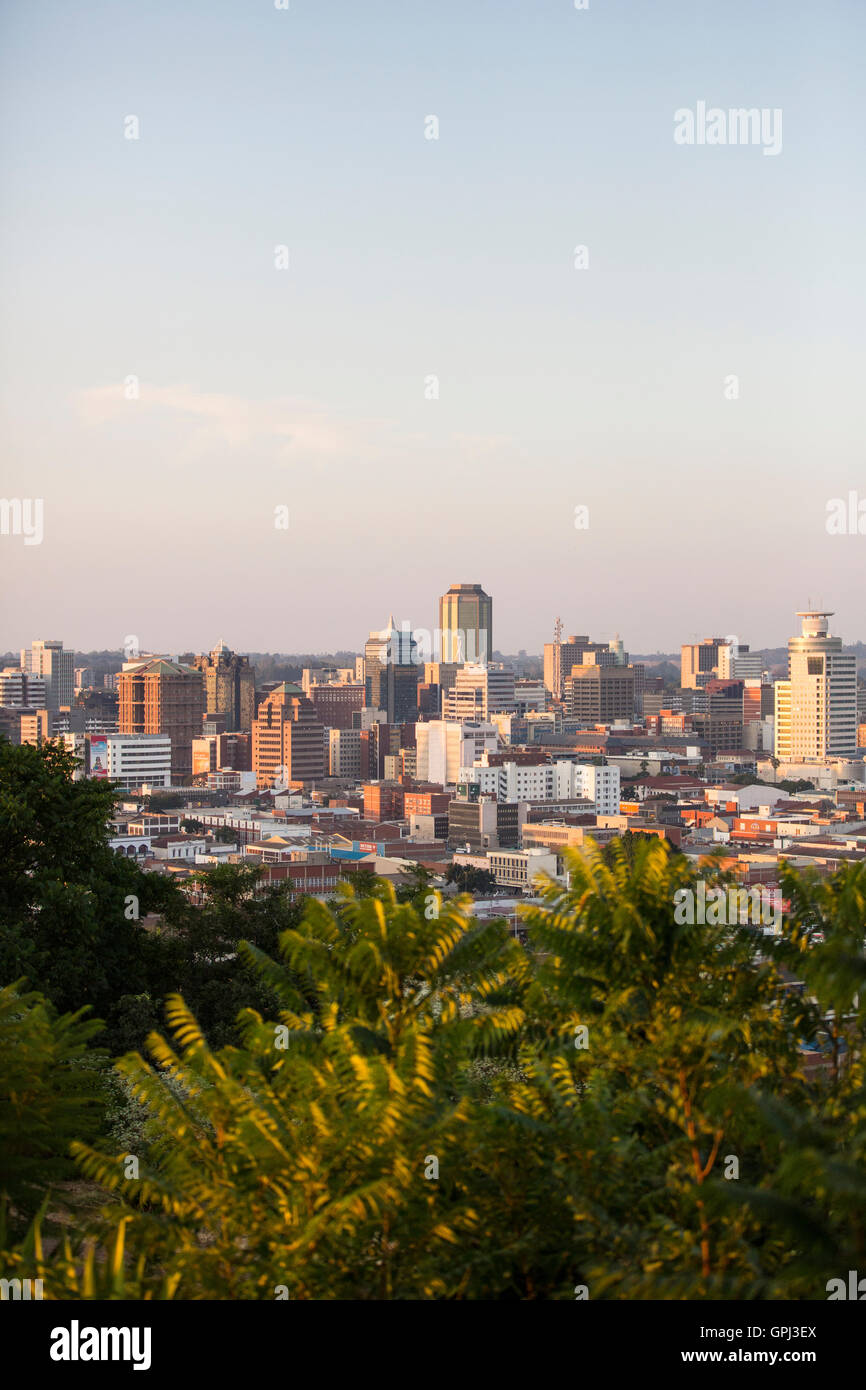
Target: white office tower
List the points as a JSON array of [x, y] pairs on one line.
[[560, 781], [443, 746], [479, 692], [737, 663], [17, 688], [816, 707], [50, 660], [132, 760]]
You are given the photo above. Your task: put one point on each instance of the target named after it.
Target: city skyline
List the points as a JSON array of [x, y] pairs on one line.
[[207, 642]]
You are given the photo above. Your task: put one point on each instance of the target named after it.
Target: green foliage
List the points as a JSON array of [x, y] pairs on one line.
[[64, 895], [408, 1104], [48, 1097], [471, 880]]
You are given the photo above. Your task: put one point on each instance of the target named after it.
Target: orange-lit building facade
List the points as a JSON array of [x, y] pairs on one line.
[[288, 734]]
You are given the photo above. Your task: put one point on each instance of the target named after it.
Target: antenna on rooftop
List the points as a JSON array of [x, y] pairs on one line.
[[557, 657]]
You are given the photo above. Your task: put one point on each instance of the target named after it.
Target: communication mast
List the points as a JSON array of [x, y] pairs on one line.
[[557, 658]]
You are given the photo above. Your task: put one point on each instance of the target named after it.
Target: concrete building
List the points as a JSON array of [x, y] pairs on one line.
[[559, 781], [517, 868], [738, 663], [336, 703], [392, 673], [699, 661], [158, 696], [132, 760], [816, 707], [444, 746], [466, 624], [559, 657], [721, 728], [56, 665], [483, 823], [222, 752], [600, 694], [19, 687], [441, 673], [288, 739], [229, 685], [479, 692], [344, 753], [530, 695]]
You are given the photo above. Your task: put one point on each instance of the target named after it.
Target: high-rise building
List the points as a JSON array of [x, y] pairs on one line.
[[229, 684], [288, 739], [600, 693], [444, 746], [699, 661], [737, 663], [158, 696], [56, 665], [337, 703], [559, 657], [18, 687], [721, 727], [344, 753], [466, 624], [479, 692], [392, 673], [816, 707]]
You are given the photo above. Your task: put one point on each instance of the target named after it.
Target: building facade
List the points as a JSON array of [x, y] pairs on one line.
[[480, 692], [229, 686], [157, 696], [288, 740], [600, 694], [443, 746], [57, 667], [466, 624], [816, 707], [393, 673]]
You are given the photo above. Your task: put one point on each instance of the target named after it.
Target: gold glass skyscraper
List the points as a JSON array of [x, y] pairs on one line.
[[466, 624]]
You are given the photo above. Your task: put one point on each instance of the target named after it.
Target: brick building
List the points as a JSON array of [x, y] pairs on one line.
[[157, 696], [288, 739]]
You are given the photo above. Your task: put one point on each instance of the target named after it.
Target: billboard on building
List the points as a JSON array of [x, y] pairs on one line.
[[98, 755]]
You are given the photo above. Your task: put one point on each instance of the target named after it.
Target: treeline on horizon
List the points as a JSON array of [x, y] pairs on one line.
[[383, 1098]]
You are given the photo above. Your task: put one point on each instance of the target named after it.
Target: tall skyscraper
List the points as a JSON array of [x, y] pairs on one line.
[[816, 707], [56, 665], [157, 696], [229, 684], [466, 624], [392, 673]]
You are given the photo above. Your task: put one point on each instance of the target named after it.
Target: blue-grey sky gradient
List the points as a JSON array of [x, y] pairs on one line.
[[408, 258]]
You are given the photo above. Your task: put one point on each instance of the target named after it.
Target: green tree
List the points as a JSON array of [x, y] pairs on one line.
[[70, 909], [431, 1110], [48, 1097]]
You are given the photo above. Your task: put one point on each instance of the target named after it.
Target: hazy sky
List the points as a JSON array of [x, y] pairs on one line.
[[408, 258]]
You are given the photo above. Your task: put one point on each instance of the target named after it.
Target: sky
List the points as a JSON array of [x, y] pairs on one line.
[[285, 363]]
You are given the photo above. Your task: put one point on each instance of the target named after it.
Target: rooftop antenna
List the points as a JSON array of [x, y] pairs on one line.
[[557, 658]]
